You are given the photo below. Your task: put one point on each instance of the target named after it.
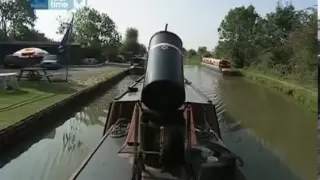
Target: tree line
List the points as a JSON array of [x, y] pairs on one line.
[[17, 21], [281, 43], [95, 31]]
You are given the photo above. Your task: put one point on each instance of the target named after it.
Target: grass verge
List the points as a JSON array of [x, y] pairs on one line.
[[307, 97], [193, 60], [33, 97]]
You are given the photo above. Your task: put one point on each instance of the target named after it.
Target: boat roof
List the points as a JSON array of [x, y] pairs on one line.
[[192, 94], [105, 156]]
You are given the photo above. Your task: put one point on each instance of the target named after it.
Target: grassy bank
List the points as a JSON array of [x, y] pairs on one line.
[[306, 96], [33, 97], [193, 60]]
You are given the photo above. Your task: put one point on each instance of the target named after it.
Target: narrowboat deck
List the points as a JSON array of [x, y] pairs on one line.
[[112, 159], [106, 163]]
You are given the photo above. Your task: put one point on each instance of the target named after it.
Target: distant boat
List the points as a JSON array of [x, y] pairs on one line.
[[138, 65], [219, 65]]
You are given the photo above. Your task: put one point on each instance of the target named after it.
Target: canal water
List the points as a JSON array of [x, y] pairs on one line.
[[275, 136]]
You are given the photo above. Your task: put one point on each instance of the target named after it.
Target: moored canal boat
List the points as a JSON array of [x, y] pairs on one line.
[[138, 65], [218, 65], [162, 127]]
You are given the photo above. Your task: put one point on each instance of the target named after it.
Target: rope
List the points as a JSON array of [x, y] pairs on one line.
[[120, 128]]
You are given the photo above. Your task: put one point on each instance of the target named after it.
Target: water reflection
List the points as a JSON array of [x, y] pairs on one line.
[[69, 137]]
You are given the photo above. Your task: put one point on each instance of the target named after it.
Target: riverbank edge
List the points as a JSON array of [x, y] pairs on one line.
[[306, 97], [14, 134]]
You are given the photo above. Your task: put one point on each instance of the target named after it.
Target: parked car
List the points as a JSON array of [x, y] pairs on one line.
[[90, 61], [50, 62]]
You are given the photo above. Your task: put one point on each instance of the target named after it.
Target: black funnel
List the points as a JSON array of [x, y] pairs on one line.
[[164, 80]]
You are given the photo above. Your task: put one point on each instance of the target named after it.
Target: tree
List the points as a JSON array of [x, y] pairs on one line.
[[206, 54], [236, 32], [93, 30], [191, 52], [131, 44], [282, 42], [302, 42], [132, 34], [23, 33], [202, 49], [16, 13], [143, 49]]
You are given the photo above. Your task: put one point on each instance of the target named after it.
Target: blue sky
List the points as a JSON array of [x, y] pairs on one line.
[[196, 22]]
